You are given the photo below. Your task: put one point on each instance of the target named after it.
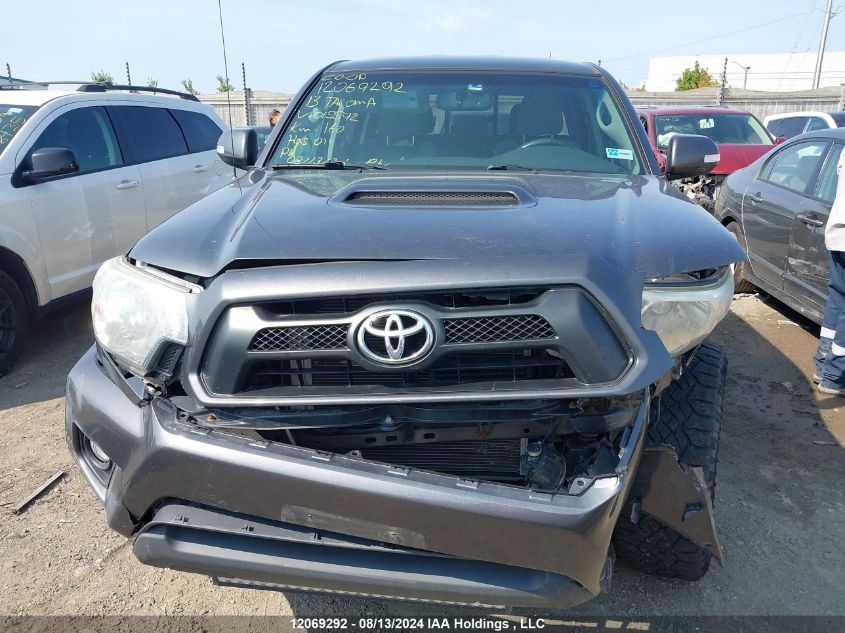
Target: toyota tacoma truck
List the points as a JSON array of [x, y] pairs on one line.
[[445, 340]]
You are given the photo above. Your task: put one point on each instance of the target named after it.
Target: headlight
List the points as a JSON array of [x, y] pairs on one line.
[[137, 312], [684, 313]]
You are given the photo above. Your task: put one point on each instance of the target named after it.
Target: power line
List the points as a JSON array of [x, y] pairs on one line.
[[712, 37]]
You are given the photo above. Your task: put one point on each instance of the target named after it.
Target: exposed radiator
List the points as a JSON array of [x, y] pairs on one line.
[[485, 459]]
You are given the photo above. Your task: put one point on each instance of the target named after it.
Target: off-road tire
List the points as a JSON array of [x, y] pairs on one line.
[[14, 322], [741, 283], [687, 416]]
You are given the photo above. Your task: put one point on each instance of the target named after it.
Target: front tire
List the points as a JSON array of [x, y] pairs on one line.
[[741, 283], [14, 322], [689, 416]]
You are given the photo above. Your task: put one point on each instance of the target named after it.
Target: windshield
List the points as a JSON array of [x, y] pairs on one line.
[[459, 120], [722, 128], [12, 118]]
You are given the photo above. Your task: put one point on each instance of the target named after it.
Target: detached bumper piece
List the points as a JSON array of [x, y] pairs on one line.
[[242, 550]]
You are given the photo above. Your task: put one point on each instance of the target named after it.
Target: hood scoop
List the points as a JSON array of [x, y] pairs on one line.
[[433, 198]]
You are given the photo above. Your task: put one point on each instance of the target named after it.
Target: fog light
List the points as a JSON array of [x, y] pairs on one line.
[[99, 454]]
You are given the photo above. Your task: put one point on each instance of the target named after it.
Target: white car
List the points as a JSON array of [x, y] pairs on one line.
[[84, 173], [791, 124]]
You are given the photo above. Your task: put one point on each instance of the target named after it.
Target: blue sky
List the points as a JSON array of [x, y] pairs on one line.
[[284, 41]]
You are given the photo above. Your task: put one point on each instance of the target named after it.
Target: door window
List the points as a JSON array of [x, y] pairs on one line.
[[829, 177], [152, 132], [200, 131], [816, 123], [89, 133], [792, 126], [795, 166]]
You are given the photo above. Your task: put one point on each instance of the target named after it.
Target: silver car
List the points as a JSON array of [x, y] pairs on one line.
[[84, 173]]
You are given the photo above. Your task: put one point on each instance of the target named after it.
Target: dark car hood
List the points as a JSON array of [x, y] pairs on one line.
[[638, 224]]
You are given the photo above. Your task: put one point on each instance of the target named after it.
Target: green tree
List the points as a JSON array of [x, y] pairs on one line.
[[152, 83], [188, 86], [223, 85], [695, 77], [102, 76]]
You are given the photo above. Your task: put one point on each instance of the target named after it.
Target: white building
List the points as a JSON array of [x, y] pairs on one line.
[[767, 71]]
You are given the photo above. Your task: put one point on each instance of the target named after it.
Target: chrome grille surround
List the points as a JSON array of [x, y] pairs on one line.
[[489, 347]]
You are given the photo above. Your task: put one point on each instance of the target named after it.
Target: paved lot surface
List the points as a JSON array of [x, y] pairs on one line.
[[780, 500]]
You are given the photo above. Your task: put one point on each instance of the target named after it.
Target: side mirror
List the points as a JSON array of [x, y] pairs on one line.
[[779, 140], [690, 155], [238, 147], [49, 162]]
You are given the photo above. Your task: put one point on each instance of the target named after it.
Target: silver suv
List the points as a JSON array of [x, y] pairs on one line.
[[83, 174]]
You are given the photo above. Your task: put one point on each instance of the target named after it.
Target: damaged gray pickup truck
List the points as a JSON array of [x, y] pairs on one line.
[[443, 341]]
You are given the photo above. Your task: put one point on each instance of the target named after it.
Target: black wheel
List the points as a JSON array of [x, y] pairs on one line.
[[688, 418], [741, 283], [14, 322]]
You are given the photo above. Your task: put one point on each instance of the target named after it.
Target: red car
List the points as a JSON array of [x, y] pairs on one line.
[[740, 136]]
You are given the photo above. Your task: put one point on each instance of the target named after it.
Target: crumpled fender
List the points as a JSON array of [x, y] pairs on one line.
[[676, 495]]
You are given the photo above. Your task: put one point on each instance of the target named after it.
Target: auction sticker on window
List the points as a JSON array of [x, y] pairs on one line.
[[615, 152]]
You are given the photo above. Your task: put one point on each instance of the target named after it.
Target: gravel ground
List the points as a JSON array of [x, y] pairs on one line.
[[780, 500]]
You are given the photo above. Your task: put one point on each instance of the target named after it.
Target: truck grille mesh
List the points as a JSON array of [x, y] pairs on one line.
[[521, 327], [300, 338]]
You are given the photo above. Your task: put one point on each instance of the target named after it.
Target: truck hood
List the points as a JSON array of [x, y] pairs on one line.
[[733, 156], [639, 224]]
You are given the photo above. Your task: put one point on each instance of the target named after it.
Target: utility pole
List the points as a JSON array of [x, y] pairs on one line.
[[828, 14], [720, 93], [128, 77], [9, 72], [745, 69]]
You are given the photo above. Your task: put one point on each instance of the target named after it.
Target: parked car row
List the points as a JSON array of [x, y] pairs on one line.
[[83, 174], [773, 188]]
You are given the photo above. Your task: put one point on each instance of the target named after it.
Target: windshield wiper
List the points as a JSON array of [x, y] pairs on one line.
[[509, 168], [332, 164]]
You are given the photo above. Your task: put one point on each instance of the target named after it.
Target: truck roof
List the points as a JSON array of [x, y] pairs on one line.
[[486, 63]]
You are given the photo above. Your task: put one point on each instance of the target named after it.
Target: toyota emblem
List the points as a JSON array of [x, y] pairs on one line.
[[395, 337]]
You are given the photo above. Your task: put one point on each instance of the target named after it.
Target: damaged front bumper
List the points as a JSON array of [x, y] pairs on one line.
[[267, 514]]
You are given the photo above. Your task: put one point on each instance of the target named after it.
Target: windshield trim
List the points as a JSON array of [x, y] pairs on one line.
[[619, 99]]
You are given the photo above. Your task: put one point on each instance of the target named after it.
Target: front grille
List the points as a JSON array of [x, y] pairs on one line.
[[488, 340], [521, 327], [453, 369], [484, 459], [300, 338], [486, 298], [434, 198]]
